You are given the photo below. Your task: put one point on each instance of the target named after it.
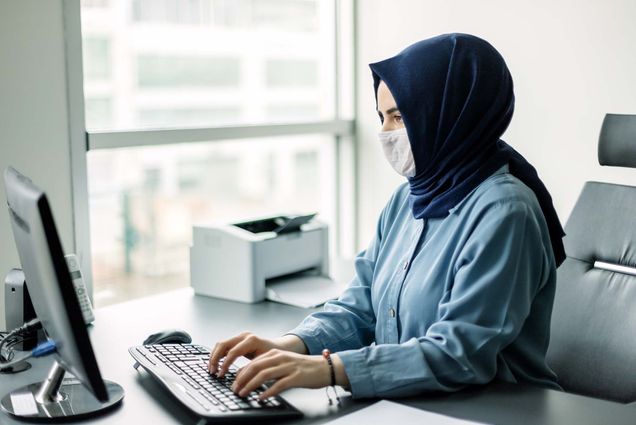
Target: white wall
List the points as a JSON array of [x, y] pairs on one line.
[[572, 61], [34, 132]]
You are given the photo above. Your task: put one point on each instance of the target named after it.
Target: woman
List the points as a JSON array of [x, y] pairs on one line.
[[457, 286]]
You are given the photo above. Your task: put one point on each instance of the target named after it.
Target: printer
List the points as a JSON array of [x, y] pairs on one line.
[[240, 261]]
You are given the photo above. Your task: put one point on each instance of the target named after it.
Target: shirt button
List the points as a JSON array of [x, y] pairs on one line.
[[391, 312], [406, 264]]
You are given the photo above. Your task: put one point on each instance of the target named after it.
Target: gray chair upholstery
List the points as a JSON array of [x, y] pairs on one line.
[[617, 143], [593, 340]]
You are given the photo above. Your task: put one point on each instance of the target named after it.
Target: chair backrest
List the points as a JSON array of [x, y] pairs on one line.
[[593, 337]]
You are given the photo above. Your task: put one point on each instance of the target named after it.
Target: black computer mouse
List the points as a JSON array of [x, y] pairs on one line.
[[169, 336]]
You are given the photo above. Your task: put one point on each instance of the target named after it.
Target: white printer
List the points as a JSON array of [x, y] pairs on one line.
[[241, 261]]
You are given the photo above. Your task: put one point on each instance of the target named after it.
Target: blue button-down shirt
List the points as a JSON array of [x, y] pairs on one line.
[[439, 304]]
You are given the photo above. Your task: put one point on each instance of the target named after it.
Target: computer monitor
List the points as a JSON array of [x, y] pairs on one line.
[[57, 307]]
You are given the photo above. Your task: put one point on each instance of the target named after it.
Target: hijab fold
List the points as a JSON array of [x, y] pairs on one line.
[[455, 95]]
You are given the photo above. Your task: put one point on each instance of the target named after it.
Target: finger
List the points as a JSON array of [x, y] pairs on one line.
[[277, 387], [248, 372], [211, 362], [219, 352], [268, 359], [277, 372], [256, 363], [244, 347], [221, 348]]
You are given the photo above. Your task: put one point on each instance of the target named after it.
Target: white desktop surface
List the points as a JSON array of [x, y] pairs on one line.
[[207, 319], [389, 412]]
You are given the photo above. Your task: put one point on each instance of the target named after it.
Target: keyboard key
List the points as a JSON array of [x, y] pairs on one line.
[[190, 362]]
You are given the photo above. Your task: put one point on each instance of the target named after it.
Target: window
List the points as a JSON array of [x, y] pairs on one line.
[[291, 73], [160, 76], [192, 12], [99, 111], [179, 71], [97, 58], [291, 112], [208, 55], [286, 15], [144, 201], [87, 4], [191, 117]]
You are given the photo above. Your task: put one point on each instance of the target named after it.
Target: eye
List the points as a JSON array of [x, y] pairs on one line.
[[381, 117], [398, 118]]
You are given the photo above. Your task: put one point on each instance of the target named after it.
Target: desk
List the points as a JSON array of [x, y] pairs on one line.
[[208, 320]]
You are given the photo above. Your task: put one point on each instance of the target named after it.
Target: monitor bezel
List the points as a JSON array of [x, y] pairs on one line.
[[88, 372]]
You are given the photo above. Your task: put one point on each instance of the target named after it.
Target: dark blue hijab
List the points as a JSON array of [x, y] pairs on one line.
[[455, 95]]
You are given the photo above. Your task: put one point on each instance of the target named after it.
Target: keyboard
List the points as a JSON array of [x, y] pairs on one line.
[[183, 370]]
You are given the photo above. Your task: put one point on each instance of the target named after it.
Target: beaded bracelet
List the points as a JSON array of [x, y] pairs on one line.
[[327, 355]]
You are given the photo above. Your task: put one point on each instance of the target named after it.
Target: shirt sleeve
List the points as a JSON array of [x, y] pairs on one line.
[[498, 272], [348, 322]]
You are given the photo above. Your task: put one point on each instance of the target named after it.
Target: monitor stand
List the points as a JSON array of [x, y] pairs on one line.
[[59, 399]]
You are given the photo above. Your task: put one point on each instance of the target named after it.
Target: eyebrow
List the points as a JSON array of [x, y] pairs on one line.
[[390, 110]]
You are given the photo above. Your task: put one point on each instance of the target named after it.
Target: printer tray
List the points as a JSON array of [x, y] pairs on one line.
[[304, 290]]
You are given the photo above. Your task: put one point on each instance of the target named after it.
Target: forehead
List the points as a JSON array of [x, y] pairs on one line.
[[385, 98]]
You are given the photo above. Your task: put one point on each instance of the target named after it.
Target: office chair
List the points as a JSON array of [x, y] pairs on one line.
[[593, 339]]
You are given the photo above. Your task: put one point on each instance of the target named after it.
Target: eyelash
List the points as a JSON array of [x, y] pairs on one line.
[[398, 118]]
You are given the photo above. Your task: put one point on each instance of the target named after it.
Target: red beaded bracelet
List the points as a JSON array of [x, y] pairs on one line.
[[327, 355]]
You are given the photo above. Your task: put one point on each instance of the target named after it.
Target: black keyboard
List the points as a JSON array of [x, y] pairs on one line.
[[183, 370]]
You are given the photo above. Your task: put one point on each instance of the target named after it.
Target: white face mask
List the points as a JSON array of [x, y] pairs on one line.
[[397, 150]]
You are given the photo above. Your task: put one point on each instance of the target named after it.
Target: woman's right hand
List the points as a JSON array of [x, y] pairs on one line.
[[249, 345]]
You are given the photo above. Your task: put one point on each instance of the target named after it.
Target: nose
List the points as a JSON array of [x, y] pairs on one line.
[[388, 125]]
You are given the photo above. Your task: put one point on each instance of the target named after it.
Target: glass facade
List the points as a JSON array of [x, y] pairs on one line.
[[143, 202], [262, 59], [176, 64]]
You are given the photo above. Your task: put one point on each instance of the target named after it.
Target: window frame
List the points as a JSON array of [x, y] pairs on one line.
[[82, 141]]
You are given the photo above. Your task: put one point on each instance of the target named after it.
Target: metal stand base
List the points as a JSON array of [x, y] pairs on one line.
[[18, 367], [58, 399]]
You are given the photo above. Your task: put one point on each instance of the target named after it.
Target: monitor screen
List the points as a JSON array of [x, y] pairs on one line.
[[49, 280]]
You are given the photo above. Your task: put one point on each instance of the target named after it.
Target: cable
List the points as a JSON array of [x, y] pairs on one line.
[[17, 332], [41, 350], [47, 347], [14, 342], [9, 342], [15, 361]]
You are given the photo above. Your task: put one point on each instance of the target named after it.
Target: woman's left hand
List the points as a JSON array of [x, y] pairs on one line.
[[288, 369]]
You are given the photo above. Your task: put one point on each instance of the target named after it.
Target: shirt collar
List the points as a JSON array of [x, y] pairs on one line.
[[502, 170]]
